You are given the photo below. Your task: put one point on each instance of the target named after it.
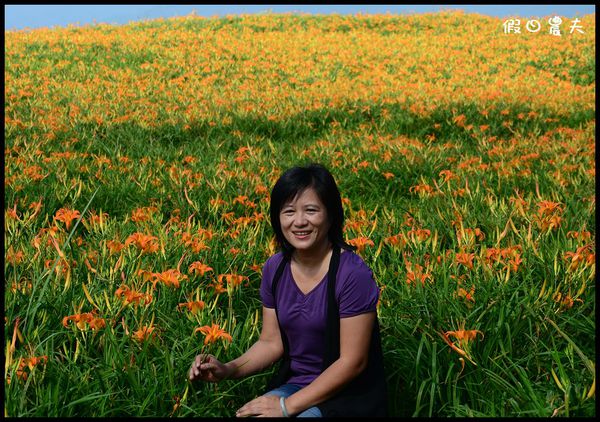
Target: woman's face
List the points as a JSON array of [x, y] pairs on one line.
[[304, 221]]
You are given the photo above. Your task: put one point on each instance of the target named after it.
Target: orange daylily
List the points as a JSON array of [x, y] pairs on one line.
[[81, 320], [425, 188], [231, 279], [144, 333], [420, 234], [11, 213], [447, 175], [213, 333], [67, 216], [130, 296], [198, 268], [193, 307], [470, 234], [169, 278], [142, 214], [114, 246], [28, 363], [14, 258], [144, 242], [361, 242], [584, 234], [193, 242], [465, 259], [581, 255], [417, 274], [396, 240], [468, 295], [546, 208], [566, 301], [464, 337]]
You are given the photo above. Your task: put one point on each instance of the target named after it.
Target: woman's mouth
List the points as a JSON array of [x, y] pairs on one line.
[[301, 235]]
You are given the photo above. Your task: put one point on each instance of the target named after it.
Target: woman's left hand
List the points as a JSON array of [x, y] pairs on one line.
[[261, 406]]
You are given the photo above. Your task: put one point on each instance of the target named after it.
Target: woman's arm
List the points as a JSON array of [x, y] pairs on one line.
[[355, 337], [267, 350]]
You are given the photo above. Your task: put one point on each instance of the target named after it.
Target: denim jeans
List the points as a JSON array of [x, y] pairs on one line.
[[287, 390]]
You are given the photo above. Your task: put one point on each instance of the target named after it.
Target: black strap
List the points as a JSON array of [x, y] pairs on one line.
[[280, 268], [332, 341]]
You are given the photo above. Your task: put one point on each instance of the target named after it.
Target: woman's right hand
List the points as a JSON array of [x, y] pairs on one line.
[[208, 368]]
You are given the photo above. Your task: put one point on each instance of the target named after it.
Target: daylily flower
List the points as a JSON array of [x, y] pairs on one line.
[[565, 301], [420, 234], [361, 242], [584, 234], [14, 258], [213, 333], [169, 278], [464, 337], [198, 268], [423, 188], [114, 246], [130, 296], [144, 242], [193, 307], [470, 234], [467, 295], [448, 175], [29, 363], [142, 214], [583, 254], [144, 333], [67, 216], [546, 208], [84, 319], [465, 259], [417, 274], [231, 279], [396, 240]]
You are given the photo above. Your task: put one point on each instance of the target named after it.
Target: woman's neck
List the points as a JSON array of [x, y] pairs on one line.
[[312, 258]]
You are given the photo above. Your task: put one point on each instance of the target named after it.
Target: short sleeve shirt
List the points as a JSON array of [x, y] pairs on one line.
[[303, 316]]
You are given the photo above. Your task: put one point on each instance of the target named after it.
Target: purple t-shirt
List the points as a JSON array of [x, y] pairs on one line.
[[303, 317]]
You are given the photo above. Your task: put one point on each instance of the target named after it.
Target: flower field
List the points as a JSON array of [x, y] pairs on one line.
[[139, 161]]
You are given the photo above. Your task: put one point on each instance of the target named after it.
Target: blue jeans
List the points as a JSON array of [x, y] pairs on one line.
[[287, 390]]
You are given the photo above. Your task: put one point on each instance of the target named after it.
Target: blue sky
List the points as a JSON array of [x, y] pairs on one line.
[[36, 16]]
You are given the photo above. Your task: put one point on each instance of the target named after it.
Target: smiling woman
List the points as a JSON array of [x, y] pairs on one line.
[[319, 312]]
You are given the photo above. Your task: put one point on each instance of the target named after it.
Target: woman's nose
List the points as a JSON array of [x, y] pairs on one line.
[[300, 219]]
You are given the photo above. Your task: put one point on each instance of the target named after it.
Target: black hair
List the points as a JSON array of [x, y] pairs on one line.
[[295, 181]]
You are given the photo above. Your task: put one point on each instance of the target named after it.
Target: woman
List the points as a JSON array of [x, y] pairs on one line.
[[319, 312]]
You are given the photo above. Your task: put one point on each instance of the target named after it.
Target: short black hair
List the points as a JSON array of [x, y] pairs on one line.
[[295, 181]]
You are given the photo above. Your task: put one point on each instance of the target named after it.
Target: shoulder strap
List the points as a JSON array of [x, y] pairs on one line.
[[276, 277], [332, 330]]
